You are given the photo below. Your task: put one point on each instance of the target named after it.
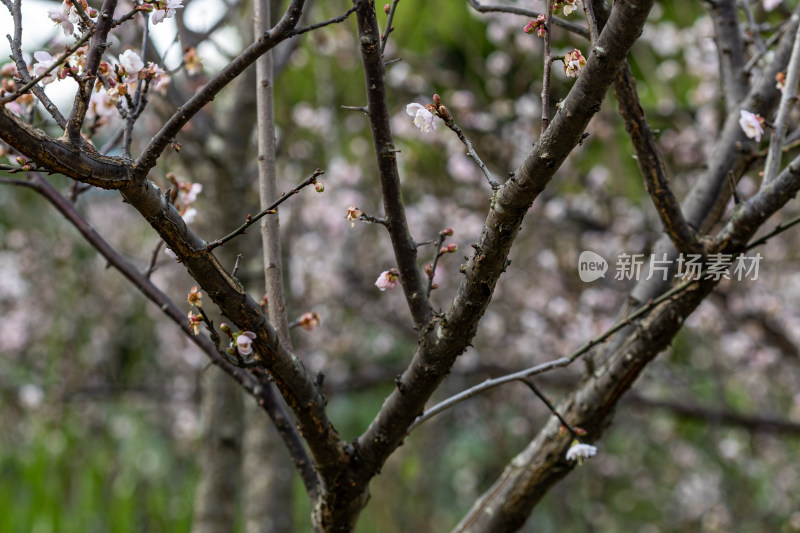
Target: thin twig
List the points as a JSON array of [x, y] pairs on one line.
[[772, 40], [549, 404], [151, 265], [450, 123], [436, 255], [569, 26], [139, 97], [751, 22], [788, 98], [548, 61], [389, 28], [550, 365], [269, 210], [363, 109], [588, 10], [335, 20]]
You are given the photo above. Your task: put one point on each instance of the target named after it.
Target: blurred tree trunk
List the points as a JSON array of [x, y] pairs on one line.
[[220, 454]]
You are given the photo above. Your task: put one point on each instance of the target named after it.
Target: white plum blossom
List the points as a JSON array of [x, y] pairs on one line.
[[131, 63], [769, 5], [165, 9], [570, 6], [60, 15], [423, 118], [44, 62], [751, 125], [244, 342], [580, 451], [387, 280]]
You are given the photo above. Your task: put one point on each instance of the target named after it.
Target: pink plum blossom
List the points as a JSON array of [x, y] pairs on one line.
[[244, 342], [751, 124], [388, 279]]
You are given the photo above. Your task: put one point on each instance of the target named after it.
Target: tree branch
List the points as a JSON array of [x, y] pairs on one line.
[[257, 388], [94, 56], [281, 31], [405, 250], [569, 26], [730, 47], [652, 166]]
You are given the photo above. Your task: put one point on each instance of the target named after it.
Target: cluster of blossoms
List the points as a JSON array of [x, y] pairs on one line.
[[114, 81], [8, 85], [184, 198], [195, 299], [67, 15], [127, 73], [537, 26], [574, 63], [187, 195], [161, 9], [752, 125]]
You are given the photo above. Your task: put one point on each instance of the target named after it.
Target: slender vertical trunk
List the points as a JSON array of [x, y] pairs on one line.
[[267, 466]]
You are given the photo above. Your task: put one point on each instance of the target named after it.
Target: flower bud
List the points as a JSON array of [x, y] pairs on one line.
[[448, 232], [386, 8], [452, 248], [437, 101], [444, 113], [319, 186], [429, 270]]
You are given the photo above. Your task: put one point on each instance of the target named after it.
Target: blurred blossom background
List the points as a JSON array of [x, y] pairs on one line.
[[99, 418]]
